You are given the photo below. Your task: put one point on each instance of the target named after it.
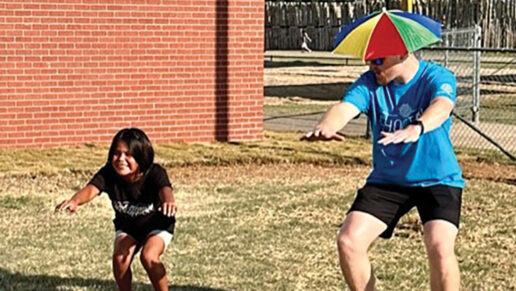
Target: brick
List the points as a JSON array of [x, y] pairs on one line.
[[69, 64]]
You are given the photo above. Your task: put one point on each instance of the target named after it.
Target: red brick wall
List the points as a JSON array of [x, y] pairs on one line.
[[77, 71]]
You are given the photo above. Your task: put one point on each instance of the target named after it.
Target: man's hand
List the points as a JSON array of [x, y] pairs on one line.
[[333, 120], [410, 133], [321, 134], [168, 208], [70, 205]]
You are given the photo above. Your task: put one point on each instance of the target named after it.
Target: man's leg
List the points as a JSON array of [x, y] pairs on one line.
[[357, 233], [439, 237]]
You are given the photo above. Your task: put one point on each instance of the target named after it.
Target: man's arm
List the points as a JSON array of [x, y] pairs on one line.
[[333, 120], [434, 115]]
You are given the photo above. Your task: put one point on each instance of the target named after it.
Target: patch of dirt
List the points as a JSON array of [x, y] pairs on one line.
[[505, 173]]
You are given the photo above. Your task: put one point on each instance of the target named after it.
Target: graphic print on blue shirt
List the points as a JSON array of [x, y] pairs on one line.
[[397, 117], [430, 160]]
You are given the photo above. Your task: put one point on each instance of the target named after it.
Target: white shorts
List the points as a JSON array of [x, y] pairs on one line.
[[163, 234]]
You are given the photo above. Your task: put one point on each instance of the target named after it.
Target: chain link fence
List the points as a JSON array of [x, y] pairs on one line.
[[486, 90], [485, 113]]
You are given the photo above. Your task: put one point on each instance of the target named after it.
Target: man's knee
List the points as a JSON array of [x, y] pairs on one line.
[[357, 233], [439, 249], [349, 244], [440, 239]]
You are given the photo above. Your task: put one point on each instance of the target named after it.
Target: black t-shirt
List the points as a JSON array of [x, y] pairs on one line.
[[136, 204]]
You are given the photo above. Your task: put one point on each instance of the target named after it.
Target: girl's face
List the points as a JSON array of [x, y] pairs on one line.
[[124, 164]]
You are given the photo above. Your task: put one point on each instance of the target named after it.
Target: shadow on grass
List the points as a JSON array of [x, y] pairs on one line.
[[280, 64], [328, 91], [500, 78], [17, 281]]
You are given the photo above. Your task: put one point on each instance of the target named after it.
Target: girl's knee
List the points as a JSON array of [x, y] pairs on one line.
[[149, 259], [121, 259]]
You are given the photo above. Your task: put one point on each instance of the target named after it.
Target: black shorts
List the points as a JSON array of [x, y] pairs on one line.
[[139, 229], [390, 202]]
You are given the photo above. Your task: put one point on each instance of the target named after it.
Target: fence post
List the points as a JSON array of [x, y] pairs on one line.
[[476, 75], [446, 52], [406, 5]]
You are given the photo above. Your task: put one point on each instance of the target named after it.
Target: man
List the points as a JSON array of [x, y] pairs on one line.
[[408, 103]]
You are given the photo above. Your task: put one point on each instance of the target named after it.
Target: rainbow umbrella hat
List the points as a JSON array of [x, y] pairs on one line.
[[387, 33]]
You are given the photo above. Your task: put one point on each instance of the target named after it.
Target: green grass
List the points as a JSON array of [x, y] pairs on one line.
[[294, 108], [482, 155], [253, 216], [499, 109]]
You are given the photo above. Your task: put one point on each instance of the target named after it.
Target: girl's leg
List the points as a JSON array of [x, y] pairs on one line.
[[123, 253], [150, 258]]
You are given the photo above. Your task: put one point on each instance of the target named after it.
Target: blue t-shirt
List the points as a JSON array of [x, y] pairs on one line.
[[431, 159]]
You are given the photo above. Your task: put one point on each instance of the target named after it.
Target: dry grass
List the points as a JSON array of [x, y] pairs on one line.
[[253, 216], [276, 148]]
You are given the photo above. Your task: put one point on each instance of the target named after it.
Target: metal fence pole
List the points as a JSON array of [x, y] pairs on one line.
[[368, 129], [447, 44], [476, 75]]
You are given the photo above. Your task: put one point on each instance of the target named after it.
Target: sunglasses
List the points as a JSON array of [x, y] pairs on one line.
[[377, 62]]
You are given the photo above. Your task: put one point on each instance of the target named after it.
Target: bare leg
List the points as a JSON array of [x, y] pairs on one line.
[[357, 233], [439, 237], [122, 257], [150, 258]]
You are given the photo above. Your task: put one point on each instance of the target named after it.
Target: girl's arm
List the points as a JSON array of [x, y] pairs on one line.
[[168, 203], [85, 195]]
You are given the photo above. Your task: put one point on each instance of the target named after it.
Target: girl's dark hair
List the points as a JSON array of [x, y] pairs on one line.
[[139, 146]]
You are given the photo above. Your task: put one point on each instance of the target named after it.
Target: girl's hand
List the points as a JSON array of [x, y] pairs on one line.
[[70, 205], [168, 208]]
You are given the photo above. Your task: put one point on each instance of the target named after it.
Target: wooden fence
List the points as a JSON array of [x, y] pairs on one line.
[[322, 20]]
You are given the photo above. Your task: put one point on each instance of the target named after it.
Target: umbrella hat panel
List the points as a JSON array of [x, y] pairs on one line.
[[415, 35], [385, 40], [353, 38], [387, 33], [425, 21], [345, 30]]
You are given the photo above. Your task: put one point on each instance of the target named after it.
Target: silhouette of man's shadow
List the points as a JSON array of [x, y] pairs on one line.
[[17, 281]]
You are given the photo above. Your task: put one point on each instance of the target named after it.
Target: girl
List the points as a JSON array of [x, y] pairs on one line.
[[141, 195]]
